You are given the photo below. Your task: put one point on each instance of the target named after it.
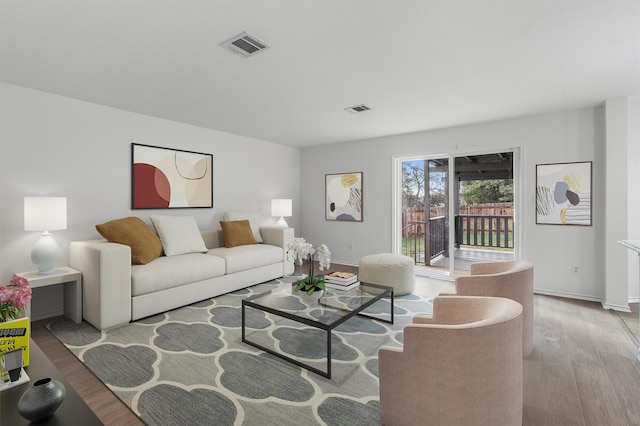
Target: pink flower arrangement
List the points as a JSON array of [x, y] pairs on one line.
[[13, 298]]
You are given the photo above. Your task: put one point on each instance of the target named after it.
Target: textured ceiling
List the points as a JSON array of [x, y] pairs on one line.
[[419, 64]]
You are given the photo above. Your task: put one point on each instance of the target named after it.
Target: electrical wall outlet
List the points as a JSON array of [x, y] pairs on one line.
[[350, 246], [575, 269]]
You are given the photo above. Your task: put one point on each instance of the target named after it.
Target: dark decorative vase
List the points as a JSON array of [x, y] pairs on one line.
[[41, 400]]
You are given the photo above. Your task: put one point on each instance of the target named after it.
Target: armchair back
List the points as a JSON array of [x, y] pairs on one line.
[[463, 366], [513, 280]]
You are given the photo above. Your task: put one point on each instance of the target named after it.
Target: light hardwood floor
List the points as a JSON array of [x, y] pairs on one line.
[[583, 369]]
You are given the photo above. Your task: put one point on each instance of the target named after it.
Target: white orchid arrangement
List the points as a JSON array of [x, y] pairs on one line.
[[298, 250]]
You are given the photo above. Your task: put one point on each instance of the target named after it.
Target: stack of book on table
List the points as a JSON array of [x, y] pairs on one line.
[[341, 280]]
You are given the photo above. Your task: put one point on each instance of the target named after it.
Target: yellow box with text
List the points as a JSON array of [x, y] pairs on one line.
[[14, 335]]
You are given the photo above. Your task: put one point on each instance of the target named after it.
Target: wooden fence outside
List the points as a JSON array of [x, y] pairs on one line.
[[416, 217]]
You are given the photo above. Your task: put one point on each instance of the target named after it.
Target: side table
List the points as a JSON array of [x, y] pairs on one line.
[[73, 410], [72, 280]]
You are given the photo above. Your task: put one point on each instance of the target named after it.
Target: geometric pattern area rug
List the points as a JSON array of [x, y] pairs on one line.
[[189, 366]]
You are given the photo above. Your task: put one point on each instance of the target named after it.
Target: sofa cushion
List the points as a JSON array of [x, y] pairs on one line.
[[242, 258], [237, 233], [133, 232], [167, 272], [253, 218], [179, 234]]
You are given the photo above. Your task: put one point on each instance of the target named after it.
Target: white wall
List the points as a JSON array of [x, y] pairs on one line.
[[56, 146], [633, 194], [575, 135]]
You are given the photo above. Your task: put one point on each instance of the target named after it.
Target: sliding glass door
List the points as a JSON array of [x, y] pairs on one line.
[[452, 211]]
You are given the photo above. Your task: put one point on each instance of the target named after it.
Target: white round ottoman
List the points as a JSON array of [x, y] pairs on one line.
[[393, 270]]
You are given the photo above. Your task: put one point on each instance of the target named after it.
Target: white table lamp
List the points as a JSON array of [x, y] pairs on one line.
[[281, 207], [45, 214]]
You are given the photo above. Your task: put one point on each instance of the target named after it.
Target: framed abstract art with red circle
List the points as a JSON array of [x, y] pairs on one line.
[[164, 178]]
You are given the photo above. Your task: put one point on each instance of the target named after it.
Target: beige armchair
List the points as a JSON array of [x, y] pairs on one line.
[[461, 367], [513, 280]]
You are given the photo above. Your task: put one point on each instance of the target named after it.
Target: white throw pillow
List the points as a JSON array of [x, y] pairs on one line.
[[253, 218], [179, 234]]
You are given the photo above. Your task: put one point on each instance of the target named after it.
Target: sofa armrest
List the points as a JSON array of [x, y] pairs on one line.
[[277, 236], [281, 237], [106, 281]]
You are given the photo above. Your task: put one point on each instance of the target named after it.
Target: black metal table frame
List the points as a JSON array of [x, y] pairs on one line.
[[386, 291]]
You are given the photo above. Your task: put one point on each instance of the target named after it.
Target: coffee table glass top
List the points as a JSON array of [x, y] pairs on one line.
[[333, 306]]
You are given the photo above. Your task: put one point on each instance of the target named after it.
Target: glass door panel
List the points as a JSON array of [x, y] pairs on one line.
[[425, 214], [483, 211]]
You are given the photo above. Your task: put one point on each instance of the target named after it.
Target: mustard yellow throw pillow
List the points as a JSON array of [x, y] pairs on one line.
[[133, 232], [237, 233]]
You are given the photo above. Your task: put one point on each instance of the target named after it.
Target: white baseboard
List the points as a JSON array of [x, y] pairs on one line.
[[343, 262], [566, 295], [48, 314], [615, 307], [619, 308]]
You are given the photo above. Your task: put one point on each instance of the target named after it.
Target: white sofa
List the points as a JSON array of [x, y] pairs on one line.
[[115, 291]]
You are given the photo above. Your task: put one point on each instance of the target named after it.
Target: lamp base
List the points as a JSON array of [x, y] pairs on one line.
[[45, 254], [282, 223]]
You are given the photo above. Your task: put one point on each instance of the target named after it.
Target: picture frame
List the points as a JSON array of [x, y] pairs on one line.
[[563, 193], [165, 178], [343, 197]]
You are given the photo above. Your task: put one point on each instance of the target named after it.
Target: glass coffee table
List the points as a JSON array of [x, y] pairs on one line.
[[325, 313]]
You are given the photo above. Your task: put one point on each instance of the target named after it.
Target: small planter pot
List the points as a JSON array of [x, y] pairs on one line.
[[41, 400], [313, 297]]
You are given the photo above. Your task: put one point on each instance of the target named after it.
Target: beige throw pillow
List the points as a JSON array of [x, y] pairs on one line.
[[133, 232], [179, 234], [237, 233]]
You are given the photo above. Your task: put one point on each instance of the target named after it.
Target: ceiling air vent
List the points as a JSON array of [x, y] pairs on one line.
[[358, 108], [245, 44]]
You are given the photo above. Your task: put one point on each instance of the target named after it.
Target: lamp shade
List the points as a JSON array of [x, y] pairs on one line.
[[45, 213], [281, 207]]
